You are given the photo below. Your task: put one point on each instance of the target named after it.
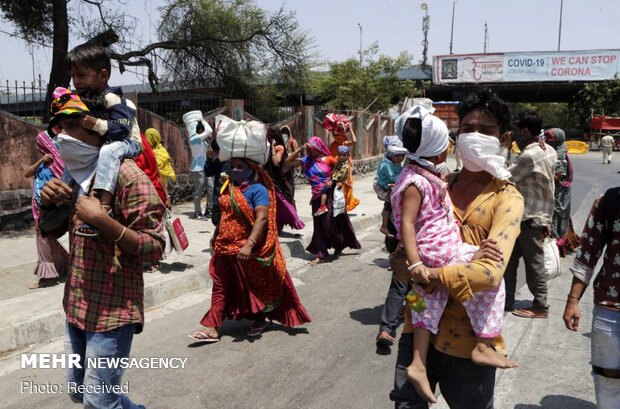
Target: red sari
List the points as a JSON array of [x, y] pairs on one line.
[[260, 287]]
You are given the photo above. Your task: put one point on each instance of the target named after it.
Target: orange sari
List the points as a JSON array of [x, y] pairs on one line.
[[347, 186], [266, 268]]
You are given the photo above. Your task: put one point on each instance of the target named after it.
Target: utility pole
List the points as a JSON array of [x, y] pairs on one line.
[[360, 26], [486, 36], [452, 28], [560, 29]]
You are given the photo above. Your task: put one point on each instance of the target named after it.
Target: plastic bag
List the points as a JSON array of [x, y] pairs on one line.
[[176, 232], [241, 139], [339, 203], [552, 258]]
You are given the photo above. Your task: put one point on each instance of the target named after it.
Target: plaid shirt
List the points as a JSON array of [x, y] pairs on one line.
[[104, 288], [533, 173]]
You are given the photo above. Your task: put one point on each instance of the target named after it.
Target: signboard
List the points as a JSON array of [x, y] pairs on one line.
[[591, 65]]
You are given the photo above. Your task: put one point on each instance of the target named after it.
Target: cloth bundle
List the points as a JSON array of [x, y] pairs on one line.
[[241, 139], [337, 123]]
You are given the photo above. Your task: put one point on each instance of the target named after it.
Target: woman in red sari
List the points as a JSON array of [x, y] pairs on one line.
[[250, 280]]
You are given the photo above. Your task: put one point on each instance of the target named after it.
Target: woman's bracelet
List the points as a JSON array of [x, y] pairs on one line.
[[252, 240], [121, 235], [573, 296], [414, 265]]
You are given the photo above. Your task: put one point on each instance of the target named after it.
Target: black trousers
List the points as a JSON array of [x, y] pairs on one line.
[[463, 384]]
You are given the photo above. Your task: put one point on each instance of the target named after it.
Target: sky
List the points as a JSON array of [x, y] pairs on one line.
[[396, 25]]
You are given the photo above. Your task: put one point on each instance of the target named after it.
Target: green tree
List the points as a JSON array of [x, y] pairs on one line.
[[555, 114], [596, 98], [371, 84]]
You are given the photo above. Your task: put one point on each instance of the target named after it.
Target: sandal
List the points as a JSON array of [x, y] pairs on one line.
[[206, 335], [257, 328], [42, 283], [531, 313], [317, 261], [384, 339]]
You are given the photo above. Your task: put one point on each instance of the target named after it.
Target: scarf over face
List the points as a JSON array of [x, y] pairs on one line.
[[556, 138], [266, 268], [161, 154]]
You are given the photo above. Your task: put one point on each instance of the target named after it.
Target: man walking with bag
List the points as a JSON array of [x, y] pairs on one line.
[[533, 173]]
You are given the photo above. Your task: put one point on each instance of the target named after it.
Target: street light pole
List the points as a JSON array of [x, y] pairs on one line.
[[560, 29], [360, 26], [452, 27]]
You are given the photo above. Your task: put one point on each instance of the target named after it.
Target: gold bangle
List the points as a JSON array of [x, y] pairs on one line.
[[121, 235]]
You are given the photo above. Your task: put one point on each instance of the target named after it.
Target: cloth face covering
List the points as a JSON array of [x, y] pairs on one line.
[[241, 176], [480, 152], [434, 140], [80, 159]]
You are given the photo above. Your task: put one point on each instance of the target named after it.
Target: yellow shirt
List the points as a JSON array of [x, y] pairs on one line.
[[496, 213]]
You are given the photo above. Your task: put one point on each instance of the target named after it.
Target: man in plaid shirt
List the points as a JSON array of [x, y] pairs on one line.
[[104, 289], [533, 173]]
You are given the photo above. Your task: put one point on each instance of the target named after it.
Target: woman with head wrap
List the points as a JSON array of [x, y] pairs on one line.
[[162, 158], [280, 171], [340, 139], [562, 225], [52, 259], [248, 269], [329, 231]]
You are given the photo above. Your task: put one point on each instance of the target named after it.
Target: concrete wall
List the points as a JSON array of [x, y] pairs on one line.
[[19, 150]]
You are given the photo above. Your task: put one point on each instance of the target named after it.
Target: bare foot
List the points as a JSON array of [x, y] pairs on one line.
[[417, 376], [485, 355], [385, 231]]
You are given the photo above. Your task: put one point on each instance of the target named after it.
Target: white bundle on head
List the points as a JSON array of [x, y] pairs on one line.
[[434, 139], [241, 139]]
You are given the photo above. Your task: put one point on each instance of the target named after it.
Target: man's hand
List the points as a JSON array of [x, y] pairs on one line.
[[89, 210], [47, 158], [55, 191], [572, 313], [89, 122], [244, 253], [489, 249]]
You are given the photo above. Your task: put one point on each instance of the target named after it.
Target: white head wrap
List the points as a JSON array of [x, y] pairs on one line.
[[393, 146], [434, 140], [80, 159]]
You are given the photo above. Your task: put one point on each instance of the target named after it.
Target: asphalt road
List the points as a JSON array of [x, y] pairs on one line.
[[329, 363]]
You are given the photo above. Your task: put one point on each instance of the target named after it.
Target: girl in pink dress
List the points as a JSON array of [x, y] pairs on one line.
[[424, 218]]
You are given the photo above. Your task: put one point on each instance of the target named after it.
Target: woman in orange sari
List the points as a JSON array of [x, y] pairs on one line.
[[347, 186], [250, 280]]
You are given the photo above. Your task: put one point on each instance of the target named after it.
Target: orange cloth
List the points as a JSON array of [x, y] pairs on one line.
[[266, 268], [347, 186]]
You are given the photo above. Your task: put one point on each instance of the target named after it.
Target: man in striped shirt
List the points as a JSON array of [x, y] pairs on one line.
[[533, 173]]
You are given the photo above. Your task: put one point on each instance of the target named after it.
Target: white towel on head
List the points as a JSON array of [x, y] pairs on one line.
[[80, 159], [393, 146], [434, 140]]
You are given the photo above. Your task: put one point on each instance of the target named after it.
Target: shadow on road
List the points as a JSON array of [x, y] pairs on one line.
[[367, 316], [559, 402]]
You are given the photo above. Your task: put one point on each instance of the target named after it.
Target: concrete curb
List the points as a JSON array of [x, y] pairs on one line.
[[32, 327]]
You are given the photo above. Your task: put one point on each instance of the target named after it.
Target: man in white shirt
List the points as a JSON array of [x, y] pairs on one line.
[[607, 146]]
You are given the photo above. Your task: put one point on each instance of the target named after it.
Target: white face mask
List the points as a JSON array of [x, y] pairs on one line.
[[80, 159], [480, 152]]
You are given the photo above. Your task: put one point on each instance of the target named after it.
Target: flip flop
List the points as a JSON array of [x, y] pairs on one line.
[[208, 335], [530, 313]]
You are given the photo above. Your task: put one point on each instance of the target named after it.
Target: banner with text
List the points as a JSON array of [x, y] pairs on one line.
[[592, 65]]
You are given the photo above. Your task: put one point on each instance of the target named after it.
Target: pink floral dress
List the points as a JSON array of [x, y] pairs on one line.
[[439, 243]]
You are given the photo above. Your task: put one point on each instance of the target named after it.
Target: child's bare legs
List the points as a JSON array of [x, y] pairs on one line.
[[323, 199], [416, 372], [484, 354], [385, 215]]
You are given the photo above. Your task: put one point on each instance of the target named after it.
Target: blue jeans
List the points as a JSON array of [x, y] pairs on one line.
[[110, 344], [605, 347], [110, 157]]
